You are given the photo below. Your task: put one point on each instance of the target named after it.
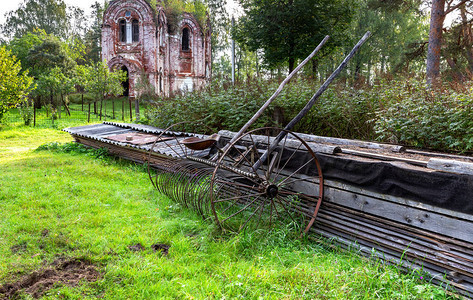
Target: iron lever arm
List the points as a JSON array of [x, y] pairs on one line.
[[311, 102], [276, 93]]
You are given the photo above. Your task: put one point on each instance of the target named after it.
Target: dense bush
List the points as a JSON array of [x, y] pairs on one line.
[[337, 113], [397, 111], [411, 115]]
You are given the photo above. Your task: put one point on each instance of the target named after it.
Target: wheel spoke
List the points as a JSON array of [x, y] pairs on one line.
[[245, 197], [300, 168], [245, 207], [237, 197], [288, 160], [251, 216]]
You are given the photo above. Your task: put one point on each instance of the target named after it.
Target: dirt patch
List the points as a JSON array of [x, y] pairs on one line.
[[136, 247], [18, 248], [68, 272], [161, 247], [45, 233]]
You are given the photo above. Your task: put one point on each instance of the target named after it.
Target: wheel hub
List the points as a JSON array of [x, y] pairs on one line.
[[272, 190]]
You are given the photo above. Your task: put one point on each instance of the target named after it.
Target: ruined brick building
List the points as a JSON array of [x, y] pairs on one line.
[[138, 39]]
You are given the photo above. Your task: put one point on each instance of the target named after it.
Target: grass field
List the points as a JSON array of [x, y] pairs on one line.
[[68, 204], [117, 109]]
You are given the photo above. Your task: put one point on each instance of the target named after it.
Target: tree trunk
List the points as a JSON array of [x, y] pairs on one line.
[[457, 75], [315, 66], [291, 64], [437, 17], [467, 37]]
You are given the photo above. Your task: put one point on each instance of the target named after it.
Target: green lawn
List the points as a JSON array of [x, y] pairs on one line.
[[72, 205], [117, 109]]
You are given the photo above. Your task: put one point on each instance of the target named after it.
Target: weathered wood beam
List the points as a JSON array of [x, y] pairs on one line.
[[449, 165], [347, 142], [290, 143]]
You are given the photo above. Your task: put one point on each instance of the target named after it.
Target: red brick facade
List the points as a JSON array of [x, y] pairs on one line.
[[135, 38]]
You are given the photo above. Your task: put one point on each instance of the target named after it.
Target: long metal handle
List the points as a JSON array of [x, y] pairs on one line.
[[311, 102], [276, 93]]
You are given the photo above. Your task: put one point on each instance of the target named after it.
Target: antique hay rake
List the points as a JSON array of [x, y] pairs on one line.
[[251, 178]]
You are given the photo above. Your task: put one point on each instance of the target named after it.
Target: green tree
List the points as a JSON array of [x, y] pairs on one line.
[[49, 54], [102, 82], [396, 28], [21, 46], [48, 15], [14, 85], [93, 35], [287, 30]]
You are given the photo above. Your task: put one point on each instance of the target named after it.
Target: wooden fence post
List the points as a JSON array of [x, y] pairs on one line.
[[131, 112], [88, 115], [123, 110], [59, 107]]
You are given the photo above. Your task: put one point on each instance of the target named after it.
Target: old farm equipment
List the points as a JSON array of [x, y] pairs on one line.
[[247, 178], [409, 207]]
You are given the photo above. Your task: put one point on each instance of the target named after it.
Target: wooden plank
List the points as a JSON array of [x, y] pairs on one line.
[[394, 199], [438, 154], [290, 143], [347, 142], [407, 246], [450, 165], [442, 243], [437, 223], [385, 157], [368, 249]]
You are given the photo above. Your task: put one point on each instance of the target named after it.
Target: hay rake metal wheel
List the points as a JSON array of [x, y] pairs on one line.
[[243, 197]]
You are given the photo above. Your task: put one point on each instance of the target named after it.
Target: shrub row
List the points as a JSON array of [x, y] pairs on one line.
[[398, 111]]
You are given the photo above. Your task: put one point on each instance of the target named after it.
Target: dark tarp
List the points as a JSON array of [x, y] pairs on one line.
[[441, 189]]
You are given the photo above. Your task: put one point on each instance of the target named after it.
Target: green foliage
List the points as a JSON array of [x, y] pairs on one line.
[[14, 85], [21, 46], [175, 8], [48, 55], [73, 148], [94, 34], [398, 29], [288, 30], [395, 110], [430, 119], [48, 15], [102, 82], [26, 112], [339, 112]]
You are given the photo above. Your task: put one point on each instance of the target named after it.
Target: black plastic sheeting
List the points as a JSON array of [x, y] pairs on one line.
[[446, 190]]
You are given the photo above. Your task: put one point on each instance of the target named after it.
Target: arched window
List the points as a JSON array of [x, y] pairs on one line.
[[185, 39], [135, 30], [122, 31]]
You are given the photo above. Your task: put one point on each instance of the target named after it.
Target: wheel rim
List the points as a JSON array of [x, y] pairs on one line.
[[288, 186]]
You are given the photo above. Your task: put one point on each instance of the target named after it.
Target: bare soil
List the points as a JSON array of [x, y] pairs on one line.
[[136, 247], [67, 272], [161, 247]]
